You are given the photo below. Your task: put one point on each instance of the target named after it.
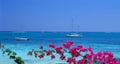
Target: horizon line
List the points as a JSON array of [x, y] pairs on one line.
[[62, 31]]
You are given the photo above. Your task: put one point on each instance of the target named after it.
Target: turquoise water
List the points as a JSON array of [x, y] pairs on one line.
[[99, 41]]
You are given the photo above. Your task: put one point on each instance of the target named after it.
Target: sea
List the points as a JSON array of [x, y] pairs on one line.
[[99, 41]]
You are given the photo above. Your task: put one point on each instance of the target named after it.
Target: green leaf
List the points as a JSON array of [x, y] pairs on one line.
[[3, 52], [7, 50], [44, 50], [14, 53], [65, 50], [8, 53], [12, 57], [29, 53], [19, 60], [53, 51]]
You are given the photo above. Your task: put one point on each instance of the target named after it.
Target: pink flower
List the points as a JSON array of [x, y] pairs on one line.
[[49, 52], [89, 62], [60, 52], [95, 57], [99, 54], [62, 57], [52, 45], [68, 44], [89, 56], [89, 49], [41, 56], [71, 61], [58, 49], [53, 56], [111, 55], [81, 61], [74, 52], [41, 47], [79, 47], [84, 50]]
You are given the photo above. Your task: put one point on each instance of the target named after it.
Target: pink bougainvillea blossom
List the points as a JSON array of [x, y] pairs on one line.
[[75, 55], [52, 45]]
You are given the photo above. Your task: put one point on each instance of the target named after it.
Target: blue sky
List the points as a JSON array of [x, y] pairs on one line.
[[57, 15]]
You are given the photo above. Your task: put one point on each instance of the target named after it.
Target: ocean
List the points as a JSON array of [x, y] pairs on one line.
[[99, 41]]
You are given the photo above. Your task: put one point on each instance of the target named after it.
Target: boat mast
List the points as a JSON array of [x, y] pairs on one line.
[[72, 25]]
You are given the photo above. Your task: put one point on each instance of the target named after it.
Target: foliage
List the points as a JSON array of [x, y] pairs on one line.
[[11, 54], [77, 55]]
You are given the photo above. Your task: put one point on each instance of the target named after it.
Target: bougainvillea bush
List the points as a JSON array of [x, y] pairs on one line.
[[75, 55]]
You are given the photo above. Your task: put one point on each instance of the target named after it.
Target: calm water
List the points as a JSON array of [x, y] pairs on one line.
[[99, 41]]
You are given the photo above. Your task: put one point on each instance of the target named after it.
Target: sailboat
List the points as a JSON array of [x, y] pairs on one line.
[[73, 34]]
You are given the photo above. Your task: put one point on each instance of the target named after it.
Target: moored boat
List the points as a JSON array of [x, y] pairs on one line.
[[73, 35], [19, 38]]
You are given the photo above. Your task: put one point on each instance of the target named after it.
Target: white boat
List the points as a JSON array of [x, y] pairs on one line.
[[73, 35], [19, 38]]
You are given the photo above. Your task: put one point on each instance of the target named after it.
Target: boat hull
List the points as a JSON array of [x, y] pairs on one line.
[[18, 38]]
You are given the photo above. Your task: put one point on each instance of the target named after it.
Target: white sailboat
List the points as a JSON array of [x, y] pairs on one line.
[[73, 34], [19, 38]]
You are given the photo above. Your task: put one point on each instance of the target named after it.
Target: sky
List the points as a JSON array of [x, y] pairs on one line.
[[57, 15]]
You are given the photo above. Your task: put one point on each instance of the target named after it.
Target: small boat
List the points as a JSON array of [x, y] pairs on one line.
[[19, 38], [73, 35]]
